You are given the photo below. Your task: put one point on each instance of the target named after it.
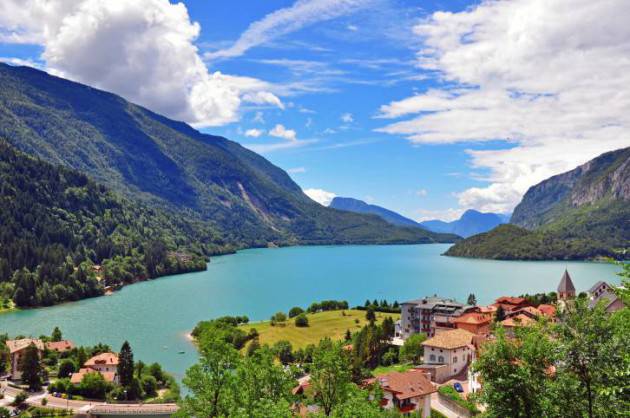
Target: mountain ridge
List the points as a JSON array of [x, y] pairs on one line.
[[359, 206], [471, 222]]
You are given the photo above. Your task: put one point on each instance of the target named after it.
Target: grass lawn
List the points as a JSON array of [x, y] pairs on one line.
[[331, 324], [381, 370]]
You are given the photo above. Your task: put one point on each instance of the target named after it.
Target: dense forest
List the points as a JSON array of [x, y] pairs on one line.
[[64, 237]]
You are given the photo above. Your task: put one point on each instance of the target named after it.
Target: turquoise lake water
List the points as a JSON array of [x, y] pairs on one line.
[[156, 315]]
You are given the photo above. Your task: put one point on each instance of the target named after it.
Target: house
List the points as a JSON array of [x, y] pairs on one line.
[[547, 310], [475, 322], [448, 353], [407, 392], [520, 320], [105, 363], [17, 349], [603, 291], [509, 303], [429, 315], [59, 346], [566, 289]]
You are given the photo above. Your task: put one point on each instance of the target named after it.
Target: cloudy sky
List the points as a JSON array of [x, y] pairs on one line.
[[424, 107]]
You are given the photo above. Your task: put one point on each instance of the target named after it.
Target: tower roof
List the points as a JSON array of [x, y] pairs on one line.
[[566, 284]]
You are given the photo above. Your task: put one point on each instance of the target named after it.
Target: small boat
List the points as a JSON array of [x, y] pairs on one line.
[[181, 352]]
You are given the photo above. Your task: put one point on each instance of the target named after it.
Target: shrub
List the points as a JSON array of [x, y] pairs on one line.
[[284, 351], [66, 368], [149, 386], [453, 395], [44, 401], [20, 398], [301, 320], [279, 317], [295, 311]]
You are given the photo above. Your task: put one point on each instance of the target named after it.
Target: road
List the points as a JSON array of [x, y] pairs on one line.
[[35, 399]]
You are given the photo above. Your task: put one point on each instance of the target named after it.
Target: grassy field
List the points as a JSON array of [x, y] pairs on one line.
[[331, 324]]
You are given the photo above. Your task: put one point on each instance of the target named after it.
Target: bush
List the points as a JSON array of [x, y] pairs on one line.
[[44, 401], [66, 368], [453, 395], [20, 398], [284, 351], [295, 311], [4, 412], [94, 386], [279, 317], [301, 320], [149, 386]]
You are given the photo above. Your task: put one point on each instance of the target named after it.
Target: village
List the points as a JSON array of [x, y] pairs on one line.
[[440, 382]]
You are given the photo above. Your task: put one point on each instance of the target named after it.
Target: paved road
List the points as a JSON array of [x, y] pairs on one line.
[[85, 406]]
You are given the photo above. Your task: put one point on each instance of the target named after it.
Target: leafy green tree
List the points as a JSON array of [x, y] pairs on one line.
[[284, 351], [211, 381], [66, 368], [370, 315], [301, 320], [56, 335], [31, 368], [295, 311], [413, 350], [94, 386], [330, 376], [125, 364], [499, 315], [252, 347], [472, 299], [149, 386], [4, 412], [389, 328], [359, 404]]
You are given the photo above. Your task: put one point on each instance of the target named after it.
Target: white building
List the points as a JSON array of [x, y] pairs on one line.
[[407, 392], [448, 354]]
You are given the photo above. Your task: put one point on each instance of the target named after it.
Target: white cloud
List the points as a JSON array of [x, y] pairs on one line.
[[143, 50], [259, 118], [296, 170], [347, 118], [279, 146], [279, 131], [550, 78], [353, 28], [321, 196], [284, 21], [254, 133], [421, 192]]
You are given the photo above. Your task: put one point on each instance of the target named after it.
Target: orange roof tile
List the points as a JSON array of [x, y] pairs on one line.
[[547, 310], [103, 359], [407, 384], [77, 377], [64, 345], [450, 339], [19, 345], [517, 321], [473, 318]]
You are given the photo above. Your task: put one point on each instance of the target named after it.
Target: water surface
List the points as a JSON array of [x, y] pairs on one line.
[[156, 315]]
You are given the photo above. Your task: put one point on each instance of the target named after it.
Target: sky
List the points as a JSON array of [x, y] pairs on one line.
[[427, 107]]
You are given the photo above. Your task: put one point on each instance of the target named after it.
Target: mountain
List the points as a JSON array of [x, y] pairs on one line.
[[470, 223], [581, 214], [359, 206], [56, 224], [168, 165]]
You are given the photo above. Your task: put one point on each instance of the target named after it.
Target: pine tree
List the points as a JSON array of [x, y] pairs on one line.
[[348, 336], [472, 300], [56, 335], [31, 368], [500, 314], [125, 364], [370, 315]]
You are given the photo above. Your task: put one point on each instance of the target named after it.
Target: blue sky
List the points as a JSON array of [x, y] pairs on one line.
[[428, 108]]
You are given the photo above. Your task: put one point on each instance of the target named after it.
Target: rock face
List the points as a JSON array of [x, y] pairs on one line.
[[359, 206], [605, 177], [581, 214]]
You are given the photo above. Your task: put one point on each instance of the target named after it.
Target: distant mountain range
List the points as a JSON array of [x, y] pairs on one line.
[[167, 164], [472, 222], [359, 206], [581, 214]]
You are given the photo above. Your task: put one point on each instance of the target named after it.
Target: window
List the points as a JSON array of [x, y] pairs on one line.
[[441, 359], [432, 357], [455, 359]]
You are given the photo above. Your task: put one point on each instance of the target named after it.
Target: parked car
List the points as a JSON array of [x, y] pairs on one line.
[[458, 387]]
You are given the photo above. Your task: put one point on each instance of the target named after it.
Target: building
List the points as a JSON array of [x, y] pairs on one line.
[[408, 392], [520, 320], [475, 322], [510, 304], [429, 315], [16, 352], [60, 346], [603, 291], [566, 289], [448, 353], [105, 363]]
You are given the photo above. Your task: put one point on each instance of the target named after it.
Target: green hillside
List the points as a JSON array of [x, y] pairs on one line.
[[168, 164], [581, 214]]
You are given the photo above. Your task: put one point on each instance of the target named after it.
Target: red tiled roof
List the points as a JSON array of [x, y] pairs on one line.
[[77, 377], [407, 384], [473, 318], [517, 321], [103, 359], [547, 310], [60, 346], [510, 300]]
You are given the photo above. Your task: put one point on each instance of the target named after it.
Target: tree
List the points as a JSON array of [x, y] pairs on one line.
[[389, 328], [93, 385], [66, 368], [412, 350], [4, 412], [301, 320], [472, 300], [31, 368], [56, 335], [295, 311], [499, 314], [284, 351], [149, 386], [125, 364], [330, 376], [211, 380], [370, 315], [252, 347], [348, 336]]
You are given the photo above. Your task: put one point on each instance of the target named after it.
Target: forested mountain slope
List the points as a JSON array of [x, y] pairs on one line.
[[170, 165], [56, 224], [580, 214]]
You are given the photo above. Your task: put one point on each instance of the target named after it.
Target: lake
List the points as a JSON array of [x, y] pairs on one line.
[[156, 315]]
